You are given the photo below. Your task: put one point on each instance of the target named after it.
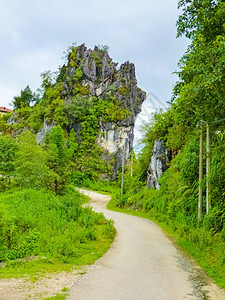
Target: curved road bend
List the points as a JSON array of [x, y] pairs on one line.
[[141, 264]]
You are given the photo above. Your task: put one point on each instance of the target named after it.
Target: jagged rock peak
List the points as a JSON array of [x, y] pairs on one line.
[[101, 77], [96, 64], [100, 73]]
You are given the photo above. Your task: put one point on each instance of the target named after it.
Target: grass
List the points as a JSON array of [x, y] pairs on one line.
[[59, 296], [56, 234], [56, 297], [40, 267]]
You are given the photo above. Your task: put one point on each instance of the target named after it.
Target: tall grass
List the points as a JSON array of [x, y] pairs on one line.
[[36, 223]]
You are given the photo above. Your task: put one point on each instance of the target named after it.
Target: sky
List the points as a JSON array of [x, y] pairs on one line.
[[34, 34]]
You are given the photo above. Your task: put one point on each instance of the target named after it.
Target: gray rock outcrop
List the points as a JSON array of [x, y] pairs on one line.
[[42, 133], [104, 79], [89, 83], [158, 165]]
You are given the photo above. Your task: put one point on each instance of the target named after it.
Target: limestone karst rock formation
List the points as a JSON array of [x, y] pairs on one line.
[[104, 79], [91, 77], [158, 165]]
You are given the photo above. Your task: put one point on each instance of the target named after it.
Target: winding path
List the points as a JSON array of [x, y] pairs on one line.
[[141, 264]]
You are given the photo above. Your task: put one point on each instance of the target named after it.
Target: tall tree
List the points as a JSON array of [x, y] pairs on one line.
[[26, 98], [201, 16], [58, 156], [31, 170], [200, 90]]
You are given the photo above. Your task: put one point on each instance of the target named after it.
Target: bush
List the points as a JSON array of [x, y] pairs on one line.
[[38, 223]]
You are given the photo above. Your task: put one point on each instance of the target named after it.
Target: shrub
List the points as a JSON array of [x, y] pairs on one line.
[[38, 223]]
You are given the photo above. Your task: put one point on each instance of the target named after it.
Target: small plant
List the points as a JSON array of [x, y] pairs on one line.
[[123, 91], [56, 297]]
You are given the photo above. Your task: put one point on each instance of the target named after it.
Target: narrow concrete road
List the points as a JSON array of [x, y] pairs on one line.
[[141, 264]]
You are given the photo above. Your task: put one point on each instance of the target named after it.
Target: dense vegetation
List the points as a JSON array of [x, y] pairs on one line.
[[65, 158], [41, 214], [198, 95], [34, 222], [66, 102]]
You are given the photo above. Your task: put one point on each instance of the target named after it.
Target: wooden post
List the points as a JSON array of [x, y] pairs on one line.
[[200, 172], [208, 200]]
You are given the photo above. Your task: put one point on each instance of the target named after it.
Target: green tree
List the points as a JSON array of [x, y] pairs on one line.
[[58, 157], [72, 150], [199, 93], [78, 108], [31, 170], [26, 98], [201, 16]]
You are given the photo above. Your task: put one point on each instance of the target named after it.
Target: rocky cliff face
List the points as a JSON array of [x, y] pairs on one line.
[[102, 78], [98, 99], [158, 165]]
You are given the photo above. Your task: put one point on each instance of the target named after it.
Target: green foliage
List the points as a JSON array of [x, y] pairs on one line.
[[8, 148], [5, 128], [72, 56], [103, 48], [57, 297], [78, 74], [158, 129], [78, 108], [201, 86], [58, 156], [97, 57], [100, 185], [7, 154], [31, 170], [35, 120], [52, 226], [48, 79], [189, 161], [72, 145], [199, 92], [122, 91], [203, 16], [54, 105], [26, 98], [177, 137], [66, 101]]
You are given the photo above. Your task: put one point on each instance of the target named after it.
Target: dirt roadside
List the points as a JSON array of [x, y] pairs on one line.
[[21, 289]]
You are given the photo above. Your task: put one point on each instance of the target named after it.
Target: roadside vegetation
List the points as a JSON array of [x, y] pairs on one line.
[[49, 228], [198, 95], [41, 215], [43, 225]]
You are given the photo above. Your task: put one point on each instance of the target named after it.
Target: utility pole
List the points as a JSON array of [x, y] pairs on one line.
[[208, 200], [132, 162], [200, 172], [122, 180]]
